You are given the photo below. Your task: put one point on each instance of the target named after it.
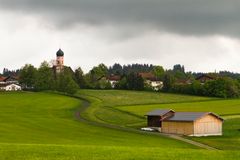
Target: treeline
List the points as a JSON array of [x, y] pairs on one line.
[[118, 69], [224, 87], [6, 72], [45, 78], [223, 84], [69, 81], [176, 80], [97, 77]]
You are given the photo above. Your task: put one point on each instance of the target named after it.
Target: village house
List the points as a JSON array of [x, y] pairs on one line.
[[152, 80], [204, 78], [185, 123], [9, 83], [113, 79], [11, 80]]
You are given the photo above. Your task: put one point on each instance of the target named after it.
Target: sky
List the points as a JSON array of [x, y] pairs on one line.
[[202, 35]]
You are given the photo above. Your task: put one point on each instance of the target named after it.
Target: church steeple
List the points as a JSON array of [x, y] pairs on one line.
[[60, 53], [59, 61]]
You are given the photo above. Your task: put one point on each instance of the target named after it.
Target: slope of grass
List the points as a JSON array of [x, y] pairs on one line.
[[106, 104], [109, 105], [49, 119], [80, 152], [42, 126], [133, 115], [222, 107], [112, 98]]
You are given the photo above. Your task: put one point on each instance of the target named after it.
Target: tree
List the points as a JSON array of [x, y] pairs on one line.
[[79, 76], [168, 81], [103, 83], [45, 78], [179, 68], [135, 82], [179, 75], [122, 84], [28, 76], [98, 72], [116, 69], [222, 87], [158, 71], [65, 83]]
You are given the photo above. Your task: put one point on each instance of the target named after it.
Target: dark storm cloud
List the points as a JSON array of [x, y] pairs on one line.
[[197, 17]]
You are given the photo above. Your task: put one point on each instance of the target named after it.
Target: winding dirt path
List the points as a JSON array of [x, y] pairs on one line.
[[86, 104]]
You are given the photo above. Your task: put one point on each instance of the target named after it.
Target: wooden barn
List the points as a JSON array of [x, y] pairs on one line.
[[185, 123]]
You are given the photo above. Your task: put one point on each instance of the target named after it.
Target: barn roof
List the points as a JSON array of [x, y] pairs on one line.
[[190, 116], [181, 116], [159, 112]]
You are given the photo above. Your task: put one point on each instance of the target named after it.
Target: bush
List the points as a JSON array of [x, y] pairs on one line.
[[222, 87]]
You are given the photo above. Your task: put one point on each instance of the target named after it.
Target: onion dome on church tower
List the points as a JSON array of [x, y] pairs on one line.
[[60, 53]]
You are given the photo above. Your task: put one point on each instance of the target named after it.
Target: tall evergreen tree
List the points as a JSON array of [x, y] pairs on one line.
[[79, 77], [168, 81]]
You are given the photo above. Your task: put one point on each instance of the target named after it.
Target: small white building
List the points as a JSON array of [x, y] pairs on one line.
[[152, 80], [113, 79], [155, 84], [10, 87]]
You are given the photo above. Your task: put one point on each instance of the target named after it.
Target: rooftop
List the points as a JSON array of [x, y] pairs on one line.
[[2, 78], [187, 116], [181, 116], [114, 77], [60, 53], [148, 76], [158, 112]]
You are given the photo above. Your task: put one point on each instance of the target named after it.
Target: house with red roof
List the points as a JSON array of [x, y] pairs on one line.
[[152, 80], [113, 79], [9, 83]]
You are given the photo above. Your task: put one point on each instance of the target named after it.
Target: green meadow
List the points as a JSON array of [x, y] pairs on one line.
[[132, 114], [44, 126]]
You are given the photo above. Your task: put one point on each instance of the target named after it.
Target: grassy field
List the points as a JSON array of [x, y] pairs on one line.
[[222, 107], [108, 103], [33, 123], [119, 98], [43, 126], [132, 114]]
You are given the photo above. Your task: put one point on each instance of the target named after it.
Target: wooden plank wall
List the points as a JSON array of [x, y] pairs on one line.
[[185, 128], [208, 125]]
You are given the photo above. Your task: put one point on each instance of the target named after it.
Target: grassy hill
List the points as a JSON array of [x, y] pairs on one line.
[[131, 114], [44, 126]]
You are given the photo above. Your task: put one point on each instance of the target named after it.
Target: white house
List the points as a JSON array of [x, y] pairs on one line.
[[156, 85], [10, 87], [113, 79], [9, 84], [152, 80]]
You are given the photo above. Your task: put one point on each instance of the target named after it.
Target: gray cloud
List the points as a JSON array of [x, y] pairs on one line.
[[192, 17]]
